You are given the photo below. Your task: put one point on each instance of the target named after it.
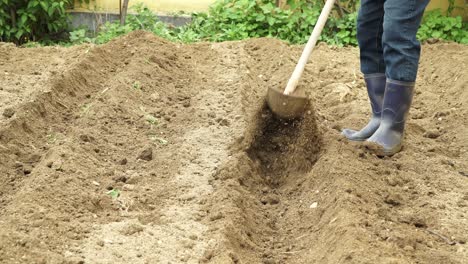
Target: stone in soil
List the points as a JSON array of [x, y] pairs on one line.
[[146, 154]]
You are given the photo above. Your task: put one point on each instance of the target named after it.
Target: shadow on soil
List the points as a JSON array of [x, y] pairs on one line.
[[283, 146]]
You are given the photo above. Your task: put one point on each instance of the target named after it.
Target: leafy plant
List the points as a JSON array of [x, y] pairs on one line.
[[437, 26], [234, 19], [110, 31], [143, 19], [342, 31], [32, 44], [22, 20], [241, 19], [79, 37]]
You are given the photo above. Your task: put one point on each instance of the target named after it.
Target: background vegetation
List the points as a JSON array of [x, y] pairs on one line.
[[22, 21]]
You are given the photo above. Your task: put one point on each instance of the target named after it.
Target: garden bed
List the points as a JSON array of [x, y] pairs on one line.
[[147, 151]]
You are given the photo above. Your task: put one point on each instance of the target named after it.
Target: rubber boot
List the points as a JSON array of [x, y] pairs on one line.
[[375, 89], [387, 140]]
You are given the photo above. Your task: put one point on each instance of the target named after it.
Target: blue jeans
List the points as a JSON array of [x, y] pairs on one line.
[[386, 33]]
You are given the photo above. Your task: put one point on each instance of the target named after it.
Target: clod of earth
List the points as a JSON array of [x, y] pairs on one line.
[[132, 229], [432, 134], [8, 112], [146, 154]]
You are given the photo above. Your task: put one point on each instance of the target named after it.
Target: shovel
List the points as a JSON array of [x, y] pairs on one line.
[[290, 104]]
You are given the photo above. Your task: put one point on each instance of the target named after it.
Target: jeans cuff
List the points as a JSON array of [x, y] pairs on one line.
[[401, 83], [374, 75]]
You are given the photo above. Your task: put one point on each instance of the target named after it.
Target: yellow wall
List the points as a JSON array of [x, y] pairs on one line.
[[168, 6], [443, 4], [159, 6]]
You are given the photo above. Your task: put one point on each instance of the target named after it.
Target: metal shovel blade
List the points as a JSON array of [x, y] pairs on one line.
[[287, 106]]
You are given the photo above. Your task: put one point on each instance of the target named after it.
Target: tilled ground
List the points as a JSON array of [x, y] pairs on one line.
[[145, 151]]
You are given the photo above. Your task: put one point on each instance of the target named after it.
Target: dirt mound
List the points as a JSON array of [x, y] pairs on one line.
[[146, 151]]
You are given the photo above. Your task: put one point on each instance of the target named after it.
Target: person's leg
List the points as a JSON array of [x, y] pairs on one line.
[[401, 54], [401, 48], [369, 35]]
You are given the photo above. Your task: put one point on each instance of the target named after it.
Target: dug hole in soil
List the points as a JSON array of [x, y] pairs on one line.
[[146, 151]]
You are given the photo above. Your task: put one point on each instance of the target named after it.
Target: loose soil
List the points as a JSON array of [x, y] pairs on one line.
[[146, 151]]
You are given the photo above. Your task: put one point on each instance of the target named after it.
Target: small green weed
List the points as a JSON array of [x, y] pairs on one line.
[[136, 85], [85, 109], [114, 193], [158, 139], [51, 138], [151, 119]]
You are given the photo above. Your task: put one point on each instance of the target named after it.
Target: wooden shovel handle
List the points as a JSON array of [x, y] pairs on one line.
[[293, 81]]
